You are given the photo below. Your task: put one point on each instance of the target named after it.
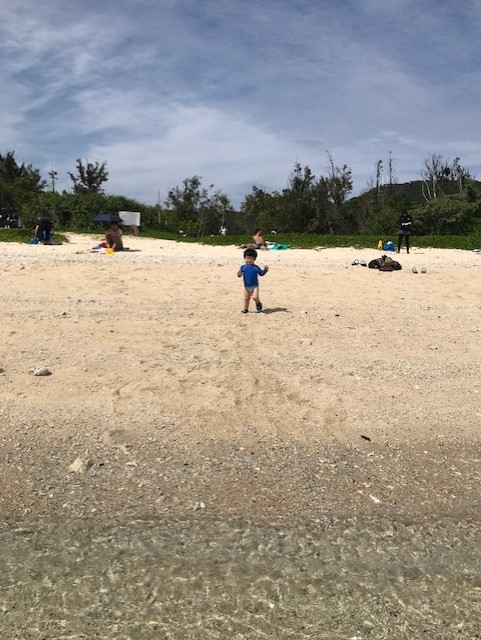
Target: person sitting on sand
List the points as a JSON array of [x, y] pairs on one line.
[[43, 230], [258, 241], [113, 237], [12, 221]]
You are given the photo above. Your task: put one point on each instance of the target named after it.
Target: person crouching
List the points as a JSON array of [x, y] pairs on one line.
[[113, 237]]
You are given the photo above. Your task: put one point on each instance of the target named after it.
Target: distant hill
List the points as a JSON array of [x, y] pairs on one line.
[[414, 190]]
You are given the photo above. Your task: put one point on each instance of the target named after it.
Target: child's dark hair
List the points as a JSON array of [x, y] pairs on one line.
[[250, 252]]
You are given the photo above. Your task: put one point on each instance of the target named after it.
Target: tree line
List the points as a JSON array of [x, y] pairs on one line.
[[446, 200]]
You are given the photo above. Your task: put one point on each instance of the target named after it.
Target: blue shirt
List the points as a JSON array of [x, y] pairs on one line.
[[251, 273]]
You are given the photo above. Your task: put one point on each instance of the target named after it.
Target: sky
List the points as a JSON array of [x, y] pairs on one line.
[[238, 91]]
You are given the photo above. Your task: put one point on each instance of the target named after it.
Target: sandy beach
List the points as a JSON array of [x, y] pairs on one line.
[[175, 469], [150, 346]]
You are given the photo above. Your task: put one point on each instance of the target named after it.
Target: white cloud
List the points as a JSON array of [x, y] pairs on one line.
[[201, 141], [238, 91]]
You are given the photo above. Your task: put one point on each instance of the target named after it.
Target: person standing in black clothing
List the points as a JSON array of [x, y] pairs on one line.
[[405, 226]]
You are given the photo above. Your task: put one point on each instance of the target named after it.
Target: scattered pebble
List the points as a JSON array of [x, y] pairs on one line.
[[80, 465], [41, 371]]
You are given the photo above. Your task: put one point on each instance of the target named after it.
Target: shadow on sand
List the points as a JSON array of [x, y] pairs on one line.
[[275, 310]]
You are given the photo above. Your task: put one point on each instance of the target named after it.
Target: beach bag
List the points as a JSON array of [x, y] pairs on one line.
[[385, 266], [385, 263], [394, 264]]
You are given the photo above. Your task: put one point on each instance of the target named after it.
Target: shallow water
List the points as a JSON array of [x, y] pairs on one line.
[[198, 577]]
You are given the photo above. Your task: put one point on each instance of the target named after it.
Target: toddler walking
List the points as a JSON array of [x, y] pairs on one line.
[[251, 272]]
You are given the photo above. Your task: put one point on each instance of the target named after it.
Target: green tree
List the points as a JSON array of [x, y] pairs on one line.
[[448, 215], [306, 202], [225, 210], [10, 171], [376, 210], [18, 182], [307, 205], [263, 210], [368, 207], [458, 175], [77, 210], [338, 184], [298, 200], [90, 177], [195, 209], [441, 176]]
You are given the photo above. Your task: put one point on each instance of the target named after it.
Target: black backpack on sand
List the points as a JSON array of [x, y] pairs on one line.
[[385, 263]]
